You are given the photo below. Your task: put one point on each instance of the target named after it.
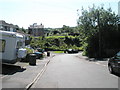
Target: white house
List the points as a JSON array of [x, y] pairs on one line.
[[7, 27]]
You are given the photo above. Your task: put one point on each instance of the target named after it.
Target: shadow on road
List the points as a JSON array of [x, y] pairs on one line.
[[96, 59], [11, 69]]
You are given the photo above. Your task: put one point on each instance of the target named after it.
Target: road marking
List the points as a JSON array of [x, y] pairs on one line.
[[37, 77]]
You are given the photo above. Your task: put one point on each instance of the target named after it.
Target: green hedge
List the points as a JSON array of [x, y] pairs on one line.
[[56, 42]]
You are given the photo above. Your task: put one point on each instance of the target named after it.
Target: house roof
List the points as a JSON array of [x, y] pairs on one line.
[[36, 26], [3, 23]]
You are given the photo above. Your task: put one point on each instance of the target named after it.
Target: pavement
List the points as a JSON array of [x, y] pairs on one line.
[[103, 62], [25, 75]]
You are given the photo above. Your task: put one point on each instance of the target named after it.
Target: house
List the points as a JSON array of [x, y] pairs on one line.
[[36, 30], [26, 36], [7, 27], [14, 28]]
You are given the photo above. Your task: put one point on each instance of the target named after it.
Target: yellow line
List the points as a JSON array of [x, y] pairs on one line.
[[37, 77]]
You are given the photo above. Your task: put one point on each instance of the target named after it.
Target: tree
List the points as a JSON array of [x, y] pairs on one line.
[[94, 25], [67, 29]]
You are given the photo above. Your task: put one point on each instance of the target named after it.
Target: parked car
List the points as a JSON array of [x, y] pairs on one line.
[[72, 51], [69, 50], [38, 55], [114, 64], [40, 50], [75, 51]]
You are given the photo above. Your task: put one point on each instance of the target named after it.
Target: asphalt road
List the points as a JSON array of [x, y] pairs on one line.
[[71, 71]]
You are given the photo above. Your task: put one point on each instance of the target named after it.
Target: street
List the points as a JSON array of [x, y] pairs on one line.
[[71, 71], [60, 71], [59, 44]]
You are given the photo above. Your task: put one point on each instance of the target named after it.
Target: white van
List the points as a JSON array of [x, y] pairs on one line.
[[11, 46]]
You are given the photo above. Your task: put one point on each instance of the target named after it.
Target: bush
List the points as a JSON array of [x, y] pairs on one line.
[[56, 42], [110, 40]]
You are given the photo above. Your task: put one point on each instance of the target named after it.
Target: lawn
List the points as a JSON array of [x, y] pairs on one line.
[[58, 51]]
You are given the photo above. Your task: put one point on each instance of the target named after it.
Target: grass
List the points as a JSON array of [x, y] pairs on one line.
[[55, 37], [59, 37], [58, 51]]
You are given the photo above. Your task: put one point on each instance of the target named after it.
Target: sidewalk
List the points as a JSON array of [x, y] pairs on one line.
[[103, 61], [22, 79], [91, 59]]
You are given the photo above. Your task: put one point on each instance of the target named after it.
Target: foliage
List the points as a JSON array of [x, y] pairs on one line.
[[95, 26], [55, 37], [64, 31], [97, 32], [56, 42]]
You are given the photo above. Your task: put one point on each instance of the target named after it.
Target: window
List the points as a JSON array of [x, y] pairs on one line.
[[2, 45], [19, 44]]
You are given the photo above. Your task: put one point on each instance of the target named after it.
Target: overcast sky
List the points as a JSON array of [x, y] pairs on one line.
[[51, 13]]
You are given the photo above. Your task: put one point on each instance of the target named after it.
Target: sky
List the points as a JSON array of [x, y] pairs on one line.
[[51, 13]]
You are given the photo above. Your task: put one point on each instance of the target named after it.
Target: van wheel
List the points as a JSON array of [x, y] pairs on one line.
[[110, 69]]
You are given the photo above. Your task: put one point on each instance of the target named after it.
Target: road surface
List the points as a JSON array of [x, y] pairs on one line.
[[71, 71]]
